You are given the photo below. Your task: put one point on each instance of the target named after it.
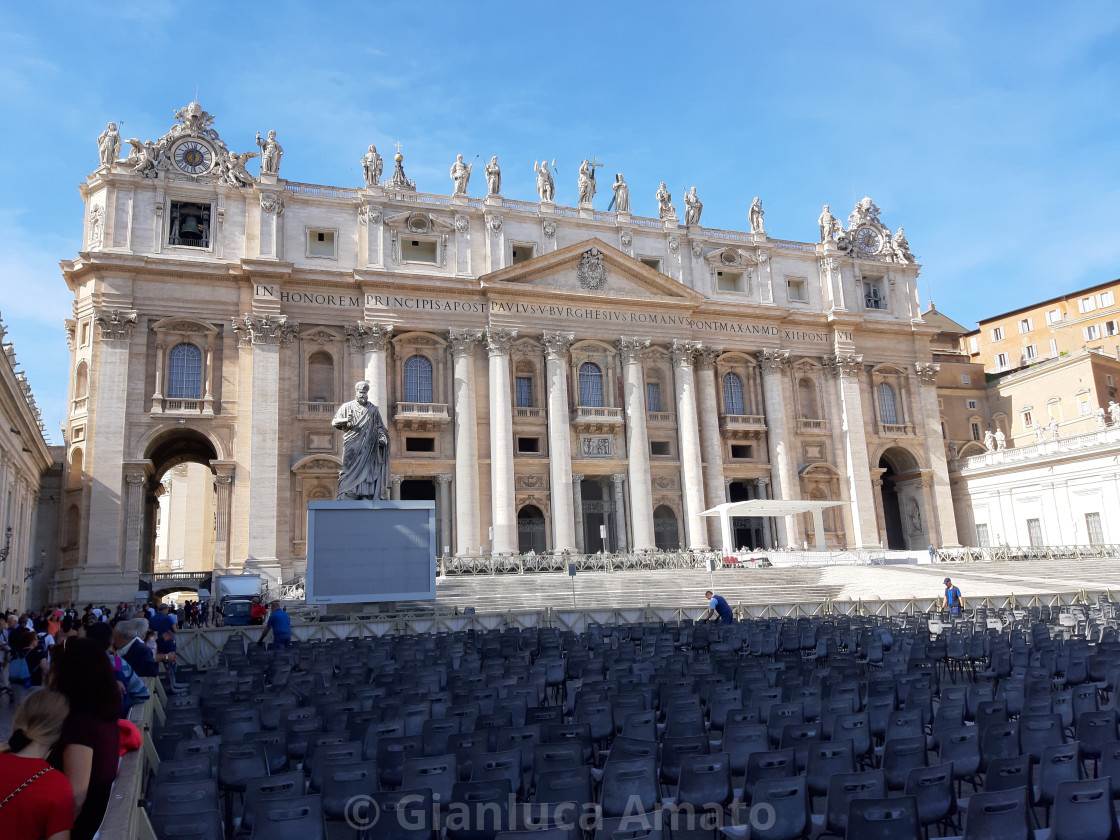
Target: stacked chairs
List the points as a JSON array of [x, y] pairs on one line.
[[841, 726]]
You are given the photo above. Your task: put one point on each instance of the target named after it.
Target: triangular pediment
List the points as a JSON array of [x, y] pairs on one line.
[[591, 268]]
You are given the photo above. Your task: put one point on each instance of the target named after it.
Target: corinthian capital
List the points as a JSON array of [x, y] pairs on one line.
[[705, 357], [557, 344], [115, 324], [498, 341], [927, 373], [365, 336], [630, 349], [773, 361], [264, 329], [682, 352], [842, 364], [462, 342]]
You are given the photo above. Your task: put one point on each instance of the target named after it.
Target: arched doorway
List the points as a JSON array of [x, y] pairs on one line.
[[666, 535], [531, 530], [746, 531], [598, 519], [903, 504]]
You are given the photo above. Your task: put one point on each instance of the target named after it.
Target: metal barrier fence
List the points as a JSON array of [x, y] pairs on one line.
[[972, 554], [201, 647]]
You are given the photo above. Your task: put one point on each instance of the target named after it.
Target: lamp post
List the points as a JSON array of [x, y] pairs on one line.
[[7, 544]]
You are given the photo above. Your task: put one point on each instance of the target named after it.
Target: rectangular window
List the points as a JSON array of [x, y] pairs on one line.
[[997, 334], [1086, 304], [1001, 361], [982, 539], [522, 253], [1025, 325], [524, 392], [1093, 527], [651, 262], [321, 243], [419, 444], [973, 344], [190, 225], [741, 450], [1108, 379], [653, 396], [1110, 328], [418, 250], [873, 295], [1028, 421], [1105, 299], [1053, 316], [729, 281], [966, 379], [659, 447], [1083, 408], [529, 445], [796, 288], [1092, 332], [971, 405], [976, 431], [85, 334], [1030, 352], [1053, 348], [1034, 532]]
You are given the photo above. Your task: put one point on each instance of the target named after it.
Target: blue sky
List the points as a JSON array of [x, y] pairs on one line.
[[989, 130]]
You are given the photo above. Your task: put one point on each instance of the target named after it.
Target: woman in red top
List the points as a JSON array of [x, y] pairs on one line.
[[89, 749], [35, 801]]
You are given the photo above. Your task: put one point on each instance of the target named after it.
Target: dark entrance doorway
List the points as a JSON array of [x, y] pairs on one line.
[[666, 535], [892, 512], [596, 516], [418, 490], [746, 531], [531, 530]]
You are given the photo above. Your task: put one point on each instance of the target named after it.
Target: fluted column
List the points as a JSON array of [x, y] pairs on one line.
[[773, 363], [136, 475], [208, 393], [467, 535], [711, 443], [637, 444], [844, 370], [372, 341], [502, 492], [620, 511], [223, 508], [692, 470], [762, 494], [444, 513], [564, 490], [577, 503]]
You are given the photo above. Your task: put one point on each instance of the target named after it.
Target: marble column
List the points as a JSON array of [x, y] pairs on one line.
[[564, 490], [104, 551], [266, 335], [711, 442], [444, 513], [467, 516], [620, 511], [762, 494], [136, 475], [502, 488], [942, 518], [395, 495], [688, 427], [161, 360], [637, 443], [844, 369], [773, 364], [208, 392], [577, 504], [372, 341], [223, 508]]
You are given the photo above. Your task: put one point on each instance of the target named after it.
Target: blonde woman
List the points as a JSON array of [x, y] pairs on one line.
[[36, 801]]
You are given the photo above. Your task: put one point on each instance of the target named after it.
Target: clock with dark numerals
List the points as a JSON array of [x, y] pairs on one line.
[[868, 241], [193, 157]]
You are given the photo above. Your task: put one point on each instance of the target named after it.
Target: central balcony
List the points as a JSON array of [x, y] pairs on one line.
[[742, 426], [421, 417], [587, 418]]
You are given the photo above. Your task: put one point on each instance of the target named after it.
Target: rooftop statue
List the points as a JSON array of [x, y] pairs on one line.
[[693, 207], [901, 248], [493, 177], [365, 448], [109, 145], [587, 185], [755, 214], [371, 167], [233, 169], [271, 152], [827, 223], [461, 175], [621, 200], [665, 209], [546, 187]]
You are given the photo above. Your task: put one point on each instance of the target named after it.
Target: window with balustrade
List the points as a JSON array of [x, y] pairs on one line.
[[524, 391], [184, 372], [888, 405], [418, 380], [733, 394], [320, 378], [807, 399], [653, 396], [590, 385]]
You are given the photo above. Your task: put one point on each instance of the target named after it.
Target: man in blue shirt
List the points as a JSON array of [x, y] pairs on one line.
[[717, 605], [952, 599], [280, 624]]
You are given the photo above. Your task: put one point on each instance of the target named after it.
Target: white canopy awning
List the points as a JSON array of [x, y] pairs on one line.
[[767, 508]]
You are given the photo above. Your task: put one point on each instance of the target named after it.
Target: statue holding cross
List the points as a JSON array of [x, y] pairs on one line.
[[587, 184]]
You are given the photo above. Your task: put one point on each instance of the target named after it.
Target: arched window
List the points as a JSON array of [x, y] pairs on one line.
[[733, 394], [320, 378], [76, 460], [653, 393], [184, 372], [665, 534], [417, 380], [807, 398], [591, 385], [888, 410], [531, 530], [81, 381]]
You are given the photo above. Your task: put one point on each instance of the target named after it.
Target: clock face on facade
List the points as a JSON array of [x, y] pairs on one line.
[[193, 157], [868, 240]]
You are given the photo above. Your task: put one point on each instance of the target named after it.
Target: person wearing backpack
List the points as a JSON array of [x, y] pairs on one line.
[[27, 665]]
